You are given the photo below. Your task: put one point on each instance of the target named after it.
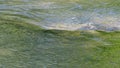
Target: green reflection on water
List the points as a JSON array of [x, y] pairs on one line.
[[24, 45]]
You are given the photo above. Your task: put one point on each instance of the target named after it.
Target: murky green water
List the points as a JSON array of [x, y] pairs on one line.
[[59, 34]]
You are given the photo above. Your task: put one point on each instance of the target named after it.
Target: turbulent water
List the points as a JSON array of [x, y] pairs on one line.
[[66, 14]]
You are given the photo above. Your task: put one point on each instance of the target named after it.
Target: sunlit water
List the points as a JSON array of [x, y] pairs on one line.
[[66, 14]]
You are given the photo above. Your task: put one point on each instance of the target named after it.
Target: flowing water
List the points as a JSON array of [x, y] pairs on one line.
[[59, 33], [66, 14]]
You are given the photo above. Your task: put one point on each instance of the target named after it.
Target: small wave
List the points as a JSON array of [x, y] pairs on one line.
[[63, 16]]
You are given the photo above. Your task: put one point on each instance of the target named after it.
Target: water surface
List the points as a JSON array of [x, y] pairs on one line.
[[66, 14], [27, 38]]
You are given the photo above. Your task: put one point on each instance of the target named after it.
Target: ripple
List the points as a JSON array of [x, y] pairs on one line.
[[64, 15]]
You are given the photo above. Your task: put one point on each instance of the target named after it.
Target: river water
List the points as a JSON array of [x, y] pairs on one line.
[[66, 14], [24, 46]]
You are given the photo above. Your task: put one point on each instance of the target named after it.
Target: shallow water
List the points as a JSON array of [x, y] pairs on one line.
[[24, 45], [66, 14]]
